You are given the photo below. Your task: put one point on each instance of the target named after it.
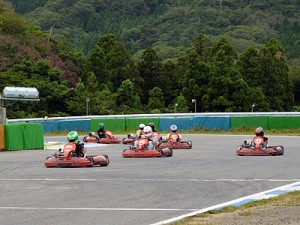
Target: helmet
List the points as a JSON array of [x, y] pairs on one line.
[[73, 136], [147, 131], [101, 126], [173, 128], [152, 126], [141, 126], [259, 131]]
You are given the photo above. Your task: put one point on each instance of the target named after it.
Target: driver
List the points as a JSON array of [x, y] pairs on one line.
[[152, 127], [101, 131], [152, 139], [259, 132], [73, 137], [140, 131], [173, 129]]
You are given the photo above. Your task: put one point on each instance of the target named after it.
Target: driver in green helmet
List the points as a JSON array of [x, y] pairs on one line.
[[73, 137]]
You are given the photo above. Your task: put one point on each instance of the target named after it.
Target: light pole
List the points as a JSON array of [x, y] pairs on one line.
[[176, 104], [194, 101], [87, 105], [252, 106]]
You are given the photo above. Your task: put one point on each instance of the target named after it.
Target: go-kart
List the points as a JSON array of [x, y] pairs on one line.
[[174, 143], [66, 157], [109, 139], [142, 151], [129, 139], [255, 148]]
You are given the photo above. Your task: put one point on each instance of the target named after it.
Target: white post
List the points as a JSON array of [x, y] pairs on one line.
[[194, 101]]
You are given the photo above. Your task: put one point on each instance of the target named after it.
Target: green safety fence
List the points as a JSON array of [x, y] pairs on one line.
[[133, 123], [249, 122], [283, 122], [33, 136], [14, 136], [23, 136], [112, 124]]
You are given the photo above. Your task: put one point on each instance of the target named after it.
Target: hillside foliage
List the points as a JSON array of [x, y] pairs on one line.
[[147, 56]]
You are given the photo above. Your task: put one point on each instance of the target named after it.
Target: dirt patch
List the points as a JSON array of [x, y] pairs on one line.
[[265, 215], [280, 210]]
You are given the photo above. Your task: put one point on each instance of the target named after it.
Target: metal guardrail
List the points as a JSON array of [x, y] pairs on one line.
[[237, 114]]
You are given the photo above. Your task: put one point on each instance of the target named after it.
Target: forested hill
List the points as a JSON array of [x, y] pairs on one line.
[[226, 55], [168, 25]]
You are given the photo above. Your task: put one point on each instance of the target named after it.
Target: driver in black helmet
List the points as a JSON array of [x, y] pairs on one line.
[[152, 126], [101, 131]]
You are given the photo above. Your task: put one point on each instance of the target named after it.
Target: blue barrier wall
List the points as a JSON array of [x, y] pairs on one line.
[[68, 125], [211, 123], [182, 123], [78, 125]]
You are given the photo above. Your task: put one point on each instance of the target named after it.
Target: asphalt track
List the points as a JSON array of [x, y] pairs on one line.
[[138, 191]]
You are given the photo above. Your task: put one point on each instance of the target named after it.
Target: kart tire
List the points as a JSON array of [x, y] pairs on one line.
[[84, 139], [106, 156], [171, 153], [190, 144], [97, 140], [281, 152], [123, 141], [160, 153]]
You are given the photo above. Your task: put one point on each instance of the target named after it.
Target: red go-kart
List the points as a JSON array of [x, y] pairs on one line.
[[66, 157], [255, 148], [130, 139], [143, 152], [175, 143], [109, 139]]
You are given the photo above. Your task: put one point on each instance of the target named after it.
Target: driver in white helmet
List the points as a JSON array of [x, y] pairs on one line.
[[152, 139], [140, 131], [173, 134]]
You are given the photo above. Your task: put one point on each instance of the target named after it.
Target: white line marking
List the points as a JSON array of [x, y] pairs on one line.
[[148, 179], [95, 209], [254, 197]]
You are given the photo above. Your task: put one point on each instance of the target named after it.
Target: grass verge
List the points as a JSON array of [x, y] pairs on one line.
[[291, 199]]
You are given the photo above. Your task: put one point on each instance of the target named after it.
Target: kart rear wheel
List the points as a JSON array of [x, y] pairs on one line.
[[106, 156], [281, 151], [190, 144]]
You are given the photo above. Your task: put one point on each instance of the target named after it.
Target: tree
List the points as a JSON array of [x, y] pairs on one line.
[[149, 68], [275, 80], [120, 65], [227, 91], [156, 99], [96, 63], [126, 95]]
